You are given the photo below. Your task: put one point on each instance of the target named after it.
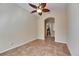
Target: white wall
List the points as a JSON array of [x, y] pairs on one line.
[[73, 17], [61, 30], [16, 26]]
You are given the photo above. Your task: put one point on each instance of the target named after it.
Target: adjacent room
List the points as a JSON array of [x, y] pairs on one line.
[[39, 29]]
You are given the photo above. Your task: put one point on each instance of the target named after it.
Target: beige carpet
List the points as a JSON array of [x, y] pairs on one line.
[[39, 48]]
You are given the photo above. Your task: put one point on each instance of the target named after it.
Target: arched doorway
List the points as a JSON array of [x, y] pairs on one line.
[[49, 28]]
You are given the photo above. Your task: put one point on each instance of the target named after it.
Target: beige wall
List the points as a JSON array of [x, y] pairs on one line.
[[16, 26], [73, 17], [61, 29]]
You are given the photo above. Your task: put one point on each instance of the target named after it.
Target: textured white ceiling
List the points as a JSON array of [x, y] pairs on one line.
[[51, 6]]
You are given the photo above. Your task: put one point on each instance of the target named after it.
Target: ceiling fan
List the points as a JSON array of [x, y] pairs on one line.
[[39, 9]]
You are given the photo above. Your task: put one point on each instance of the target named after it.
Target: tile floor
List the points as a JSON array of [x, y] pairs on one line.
[[39, 48]]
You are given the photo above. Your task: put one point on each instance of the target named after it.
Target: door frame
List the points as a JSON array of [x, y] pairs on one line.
[[47, 19]]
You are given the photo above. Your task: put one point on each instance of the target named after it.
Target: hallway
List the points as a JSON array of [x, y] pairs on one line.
[[39, 48]]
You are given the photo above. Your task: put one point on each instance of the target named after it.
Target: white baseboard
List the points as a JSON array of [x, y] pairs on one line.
[[61, 41], [16, 46], [69, 49]]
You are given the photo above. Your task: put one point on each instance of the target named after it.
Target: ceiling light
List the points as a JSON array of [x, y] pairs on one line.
[[39, 10]]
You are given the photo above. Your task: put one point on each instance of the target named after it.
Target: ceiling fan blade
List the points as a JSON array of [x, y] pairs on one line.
[[40, 14], [42, 5], [34, 6], [45, 10], [34, 11]]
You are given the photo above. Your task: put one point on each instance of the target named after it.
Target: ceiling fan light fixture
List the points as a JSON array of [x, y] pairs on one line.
[[39, 10]]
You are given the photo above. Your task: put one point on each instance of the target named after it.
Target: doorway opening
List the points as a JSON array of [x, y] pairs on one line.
[[49, 28]]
